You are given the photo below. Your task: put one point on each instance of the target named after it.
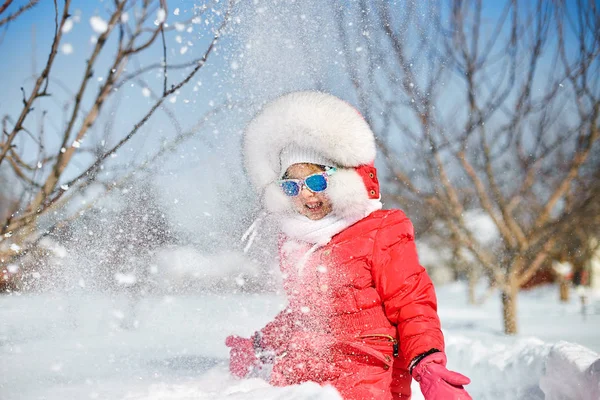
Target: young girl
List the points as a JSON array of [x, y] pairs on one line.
[[362, 313]]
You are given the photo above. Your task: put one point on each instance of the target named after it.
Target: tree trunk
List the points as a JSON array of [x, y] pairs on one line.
[[564, 290], [509, 309], [473, 278]]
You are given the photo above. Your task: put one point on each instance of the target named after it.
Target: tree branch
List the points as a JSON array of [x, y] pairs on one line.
[[35, 93], [16, 14]]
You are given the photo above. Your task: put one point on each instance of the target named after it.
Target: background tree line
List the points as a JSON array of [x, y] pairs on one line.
[[499, 115]]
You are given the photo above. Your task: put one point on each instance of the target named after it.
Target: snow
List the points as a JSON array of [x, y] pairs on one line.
[[482, 226], [125, 279], [80, 344], [161, 16], [68, 25], [184, 268], [168, 343], [227, 388], [573, 371], [562, 268], [98, 24]]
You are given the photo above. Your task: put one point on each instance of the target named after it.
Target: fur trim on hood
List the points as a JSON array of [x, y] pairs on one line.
[[321, 123]]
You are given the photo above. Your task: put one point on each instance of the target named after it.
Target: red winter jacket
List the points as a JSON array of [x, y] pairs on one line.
[[350, 303]]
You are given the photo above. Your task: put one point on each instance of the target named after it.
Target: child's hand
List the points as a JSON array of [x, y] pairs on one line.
[[242, 357], [437, 382]]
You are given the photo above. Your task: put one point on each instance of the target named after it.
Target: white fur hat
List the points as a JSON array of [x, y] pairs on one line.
[[310, 127]]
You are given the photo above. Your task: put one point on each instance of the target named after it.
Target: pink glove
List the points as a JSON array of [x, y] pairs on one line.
[[242, 357], [437, 383]]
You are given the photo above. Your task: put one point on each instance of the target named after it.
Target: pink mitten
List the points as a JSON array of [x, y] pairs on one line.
[[437, 382], [242, 357]]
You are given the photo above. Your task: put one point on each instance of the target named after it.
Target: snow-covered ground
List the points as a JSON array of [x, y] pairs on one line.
[[90, 346]]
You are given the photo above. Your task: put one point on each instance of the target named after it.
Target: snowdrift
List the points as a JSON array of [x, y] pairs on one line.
[[76, 346], [572, 372], [526, 368]]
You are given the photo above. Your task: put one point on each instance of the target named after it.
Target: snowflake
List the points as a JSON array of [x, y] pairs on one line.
[[98, 24], [66, 48], [67, 26]]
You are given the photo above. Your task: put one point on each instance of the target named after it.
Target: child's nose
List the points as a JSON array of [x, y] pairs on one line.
[[306, 192]]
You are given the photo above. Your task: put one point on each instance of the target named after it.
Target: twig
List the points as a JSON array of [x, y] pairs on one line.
[[44, 200], [16, 14], [164, 44], [38, 84]]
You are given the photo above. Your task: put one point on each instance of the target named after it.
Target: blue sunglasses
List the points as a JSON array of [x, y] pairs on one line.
[[315, 183]]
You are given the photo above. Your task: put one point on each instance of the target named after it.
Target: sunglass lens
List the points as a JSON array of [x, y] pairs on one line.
[[290, 188], [316, 183]]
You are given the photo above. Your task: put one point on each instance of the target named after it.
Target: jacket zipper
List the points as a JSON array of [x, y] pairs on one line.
[[383, 335]]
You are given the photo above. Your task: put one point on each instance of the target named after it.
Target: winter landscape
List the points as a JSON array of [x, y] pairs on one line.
[[132, 242], [75, 347]]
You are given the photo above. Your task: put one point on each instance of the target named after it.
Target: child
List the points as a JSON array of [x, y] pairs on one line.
[[362, 313]]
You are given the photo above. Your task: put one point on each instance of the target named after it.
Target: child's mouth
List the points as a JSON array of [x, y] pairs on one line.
[[314, 206]]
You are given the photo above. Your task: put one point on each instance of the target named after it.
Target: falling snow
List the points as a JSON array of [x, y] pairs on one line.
[[66, 48], [161, 16], [67, 26], [98, 24]]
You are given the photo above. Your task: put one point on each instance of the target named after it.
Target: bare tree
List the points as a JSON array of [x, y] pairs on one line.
[[580, 237], [478, 110], [48, 177]]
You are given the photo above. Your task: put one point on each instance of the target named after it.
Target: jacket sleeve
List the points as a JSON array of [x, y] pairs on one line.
[[406, 290]]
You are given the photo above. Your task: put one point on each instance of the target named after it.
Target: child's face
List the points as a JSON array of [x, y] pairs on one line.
[[310, 204]]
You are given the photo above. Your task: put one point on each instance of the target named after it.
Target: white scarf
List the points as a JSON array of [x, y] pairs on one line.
[[300, 228], [318, 233], [297, 227]]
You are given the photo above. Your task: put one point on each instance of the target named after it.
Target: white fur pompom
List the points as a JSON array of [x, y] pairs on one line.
[[347, 193]]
